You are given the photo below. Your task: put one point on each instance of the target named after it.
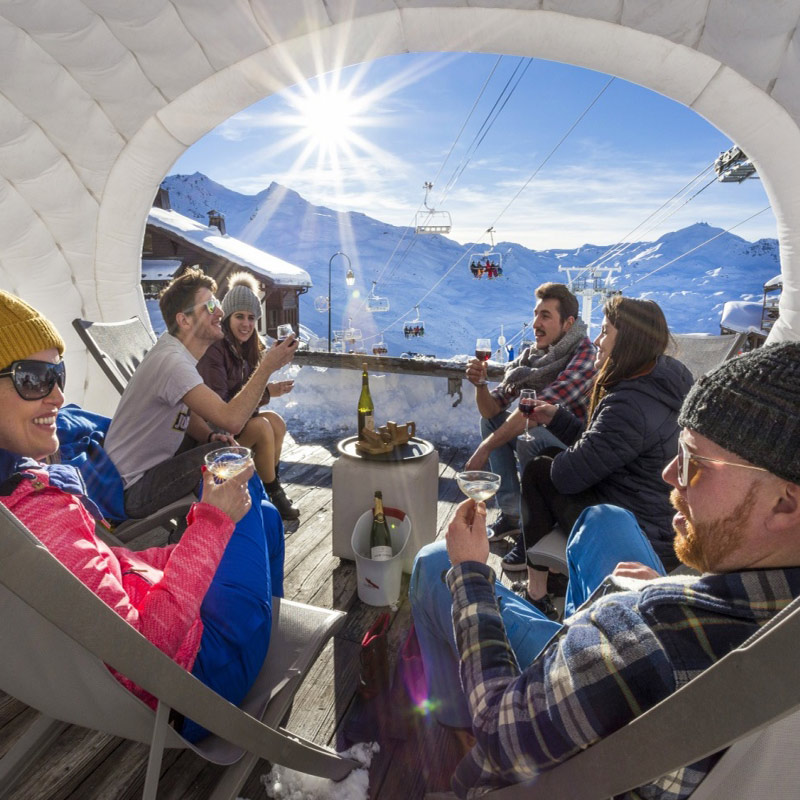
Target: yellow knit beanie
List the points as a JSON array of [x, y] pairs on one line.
[[24, 331]]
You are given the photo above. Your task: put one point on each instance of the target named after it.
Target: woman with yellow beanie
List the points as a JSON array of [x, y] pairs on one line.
[[193, 600]]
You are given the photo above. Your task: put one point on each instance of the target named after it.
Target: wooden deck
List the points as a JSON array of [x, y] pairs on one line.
[[85, 765]]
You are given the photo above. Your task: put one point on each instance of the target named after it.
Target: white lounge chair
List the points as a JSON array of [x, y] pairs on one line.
[[58, 636]]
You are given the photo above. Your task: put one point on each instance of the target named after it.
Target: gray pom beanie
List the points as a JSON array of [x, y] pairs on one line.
[[241, 296], [750, 405]]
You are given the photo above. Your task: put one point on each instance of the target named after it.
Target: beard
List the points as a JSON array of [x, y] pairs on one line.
[[705, 545]]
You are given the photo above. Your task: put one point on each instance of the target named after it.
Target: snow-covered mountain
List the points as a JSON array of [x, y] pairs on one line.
[[433, 271]]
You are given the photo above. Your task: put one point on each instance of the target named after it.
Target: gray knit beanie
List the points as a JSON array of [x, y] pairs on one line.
[[241, 295], [750, 405]]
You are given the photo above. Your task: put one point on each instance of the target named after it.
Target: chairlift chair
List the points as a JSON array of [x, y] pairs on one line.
[[321, 304], [375, 303], [489, 263], [380, 348], [415, 327], [430, 220]]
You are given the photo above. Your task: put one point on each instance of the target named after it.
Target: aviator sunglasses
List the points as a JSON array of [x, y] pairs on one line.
[[211, 305], [687, 464], [34, 380]]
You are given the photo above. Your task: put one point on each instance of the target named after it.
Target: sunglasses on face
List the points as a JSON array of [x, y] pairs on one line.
[[34, 380], [687, 464], [211, 305]]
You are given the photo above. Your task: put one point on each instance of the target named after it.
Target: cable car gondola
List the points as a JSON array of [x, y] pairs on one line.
[[375, 303], [415, 327], [430, 220]]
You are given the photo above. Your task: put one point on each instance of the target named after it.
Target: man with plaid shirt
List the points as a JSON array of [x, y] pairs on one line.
[[560, 368], [632, 638]]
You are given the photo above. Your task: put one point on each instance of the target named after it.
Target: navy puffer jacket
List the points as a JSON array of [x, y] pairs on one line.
[[631, 437]]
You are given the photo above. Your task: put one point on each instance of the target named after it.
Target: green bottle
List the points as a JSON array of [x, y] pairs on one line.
[[366, 411], [380, 540]]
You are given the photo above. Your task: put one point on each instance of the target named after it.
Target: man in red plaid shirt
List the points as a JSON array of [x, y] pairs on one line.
[[560, 367]]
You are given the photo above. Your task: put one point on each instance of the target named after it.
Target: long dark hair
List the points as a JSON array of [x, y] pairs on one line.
[[642, 336], [250, 350]]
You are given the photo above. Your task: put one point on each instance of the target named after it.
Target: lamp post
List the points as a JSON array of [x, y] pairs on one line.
[[349, 279]]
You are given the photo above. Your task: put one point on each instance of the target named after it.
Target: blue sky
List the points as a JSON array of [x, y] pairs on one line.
[[367, 139]]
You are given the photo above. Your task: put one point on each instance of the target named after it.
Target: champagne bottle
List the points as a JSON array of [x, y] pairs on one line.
[[380, 540], [366, 410]]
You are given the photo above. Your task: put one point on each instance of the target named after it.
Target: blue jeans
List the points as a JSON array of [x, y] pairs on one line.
[[503, 460], [237, 609], [602, 536]]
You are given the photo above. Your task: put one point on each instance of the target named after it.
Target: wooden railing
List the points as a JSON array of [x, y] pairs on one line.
[[432, 367]]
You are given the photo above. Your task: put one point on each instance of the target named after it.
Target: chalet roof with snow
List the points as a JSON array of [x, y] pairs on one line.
[[274, 269]]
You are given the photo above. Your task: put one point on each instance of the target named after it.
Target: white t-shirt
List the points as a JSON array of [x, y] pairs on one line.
[[151, 418]]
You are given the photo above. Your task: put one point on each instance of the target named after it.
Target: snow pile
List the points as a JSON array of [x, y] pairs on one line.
[[286, 784]]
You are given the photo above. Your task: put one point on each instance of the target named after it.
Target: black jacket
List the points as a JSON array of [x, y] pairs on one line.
[[631, 437]]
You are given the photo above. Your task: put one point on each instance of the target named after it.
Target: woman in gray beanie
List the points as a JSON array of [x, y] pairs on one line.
[[225, 368]]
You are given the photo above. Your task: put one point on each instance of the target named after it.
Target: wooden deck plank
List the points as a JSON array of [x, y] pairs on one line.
[[90, 766]]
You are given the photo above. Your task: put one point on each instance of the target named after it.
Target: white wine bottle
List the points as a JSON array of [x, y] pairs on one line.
[[366, 411], [380, 540]]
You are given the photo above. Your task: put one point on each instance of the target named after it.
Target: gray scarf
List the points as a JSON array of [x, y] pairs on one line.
[[535, 368]]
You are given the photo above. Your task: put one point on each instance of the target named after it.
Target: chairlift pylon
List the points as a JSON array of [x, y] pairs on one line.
[[733, 166], [375, 303], [430, 220], [489, 263], [415, 327]]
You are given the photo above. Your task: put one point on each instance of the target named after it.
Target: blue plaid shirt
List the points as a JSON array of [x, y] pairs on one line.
[[617, 656]]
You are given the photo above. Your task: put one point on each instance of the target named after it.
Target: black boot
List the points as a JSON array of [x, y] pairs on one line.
[[281, 501]]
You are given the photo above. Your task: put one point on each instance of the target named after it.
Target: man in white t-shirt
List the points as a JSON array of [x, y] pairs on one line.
[[167, 400]]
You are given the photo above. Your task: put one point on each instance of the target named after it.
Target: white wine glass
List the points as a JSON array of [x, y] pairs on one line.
[[483, 350], [226, 462], [478, 485], [527, 403]]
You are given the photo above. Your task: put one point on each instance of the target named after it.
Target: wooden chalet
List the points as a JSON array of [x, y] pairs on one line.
[[173, 242]]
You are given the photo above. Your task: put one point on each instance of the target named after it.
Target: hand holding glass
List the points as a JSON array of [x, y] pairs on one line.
[[227, 462], [283, 332], [527, 403], [478, 485], [483, 350]]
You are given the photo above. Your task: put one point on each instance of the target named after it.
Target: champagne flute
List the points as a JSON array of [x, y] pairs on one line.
[[478, 485], [226, 462], [483, 349], [527, 403]]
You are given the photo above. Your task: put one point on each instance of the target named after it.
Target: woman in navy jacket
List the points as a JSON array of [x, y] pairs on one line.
[[631, 435]]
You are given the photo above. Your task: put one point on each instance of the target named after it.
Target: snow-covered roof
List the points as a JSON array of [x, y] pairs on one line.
[[772, 282], [274, 269], [742, 316], [159, 269]]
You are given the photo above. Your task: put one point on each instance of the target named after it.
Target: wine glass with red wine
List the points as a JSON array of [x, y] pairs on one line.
[[483, 349], [527, 402]]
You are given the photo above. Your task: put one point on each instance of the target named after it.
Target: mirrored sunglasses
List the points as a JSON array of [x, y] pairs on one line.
[[211, 305], [35, 379]]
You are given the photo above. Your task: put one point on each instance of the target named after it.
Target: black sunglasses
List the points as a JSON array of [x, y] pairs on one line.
[[34, 380]]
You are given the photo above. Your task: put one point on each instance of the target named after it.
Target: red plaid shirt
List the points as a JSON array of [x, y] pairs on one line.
[[571, 388]]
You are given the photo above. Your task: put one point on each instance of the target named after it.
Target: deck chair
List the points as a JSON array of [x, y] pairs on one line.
[[702, 353], [119, 347], [58, 636], [749, 702]]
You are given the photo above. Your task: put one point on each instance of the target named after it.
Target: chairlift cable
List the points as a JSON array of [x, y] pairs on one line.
[[627, 240], [697, 247], [444, 162], [508, 205]]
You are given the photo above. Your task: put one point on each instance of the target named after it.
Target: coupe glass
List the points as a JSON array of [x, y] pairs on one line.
[[478, 485], [227, 462]]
